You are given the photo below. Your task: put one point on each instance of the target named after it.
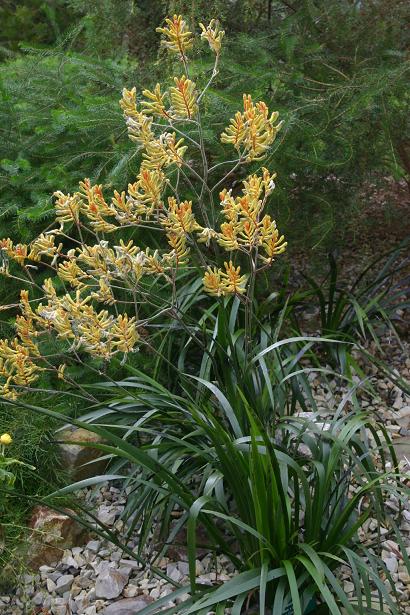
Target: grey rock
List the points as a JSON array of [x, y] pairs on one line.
[[64, 583], [69, 562], [130, 563], [38, 599], [403, 418], [103, 566], [183, 568], [51, 586], [54, 576], [131, 591], [392, 564], [111, 582], [73, 606], [107, 514], [93, 545], [80, 561], [84, 580], [128, 606], [47, 602], [174, 573]]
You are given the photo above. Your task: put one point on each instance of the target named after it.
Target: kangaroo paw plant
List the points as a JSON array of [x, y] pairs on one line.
[[172, 268]]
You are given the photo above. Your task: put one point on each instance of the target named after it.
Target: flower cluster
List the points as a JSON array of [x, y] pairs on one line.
[[213, 34], [103, 289], [253, 131], [177, 38]]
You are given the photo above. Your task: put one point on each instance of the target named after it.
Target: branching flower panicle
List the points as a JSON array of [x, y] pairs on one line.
[[104, 289]]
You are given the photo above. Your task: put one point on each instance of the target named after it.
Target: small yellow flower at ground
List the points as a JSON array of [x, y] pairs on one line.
[[6, 439]]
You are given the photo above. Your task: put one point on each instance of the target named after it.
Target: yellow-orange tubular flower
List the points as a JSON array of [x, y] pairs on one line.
[[177, 38], [253, 131], [213, 34], [183, 98], [221, 283]]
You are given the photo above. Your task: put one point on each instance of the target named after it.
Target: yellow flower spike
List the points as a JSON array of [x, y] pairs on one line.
[[175, 149], [70, 272], [124, 334], [138, 124], [19, 253], [253, 131], [128, 102], [26, 331], [268, 181], [235, 133], [25, 304], [233, 281], [94, 330], [212, 282], [205, 235], [6, 245], [272, 243], [16, 367], [228, 238], [68, 208], [221, 283], [96, 208], [163, 152], [180, 251], [98, 259], [147, 191], [155, 103], [6, 252], [178, 39], [61, 371], [213, 35], [183, 98], [153, 263], [179, 218], [6, 439], [104, 293], [155, 155], [44, 246], [49, 289]]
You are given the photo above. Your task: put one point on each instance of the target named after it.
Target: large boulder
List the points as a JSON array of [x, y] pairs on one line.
[[51, 533], [80, 461]]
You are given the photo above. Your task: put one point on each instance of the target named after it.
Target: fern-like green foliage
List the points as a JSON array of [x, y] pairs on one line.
[[59, 121]]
